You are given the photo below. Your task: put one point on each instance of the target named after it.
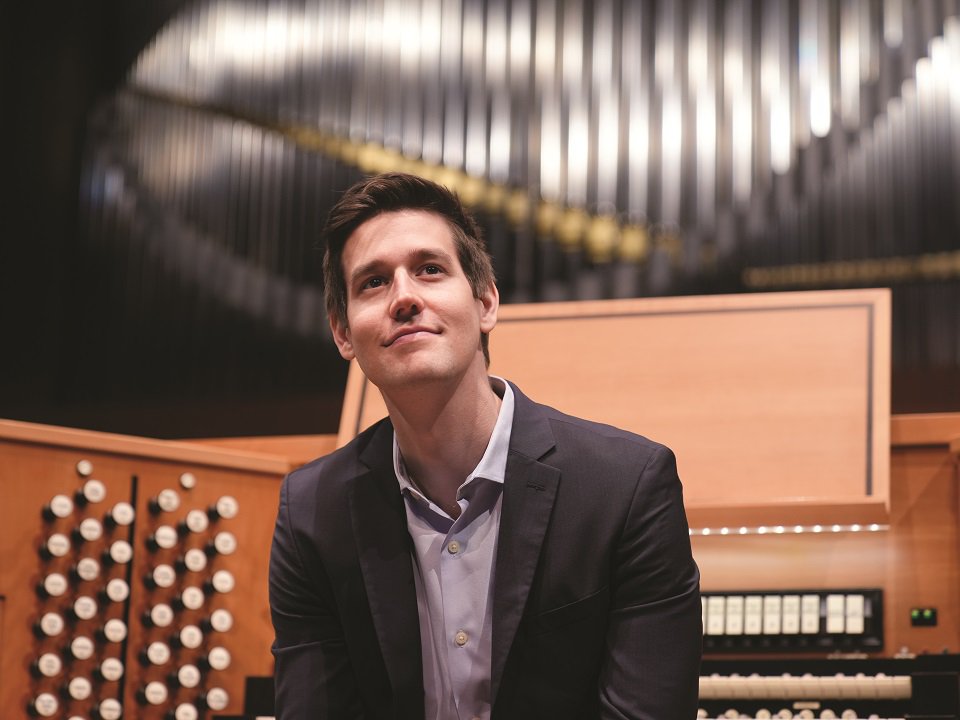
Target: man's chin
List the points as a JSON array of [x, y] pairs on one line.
[[408, 377]]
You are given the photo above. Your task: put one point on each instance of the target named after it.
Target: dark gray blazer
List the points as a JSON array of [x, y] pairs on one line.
[[596, 594]]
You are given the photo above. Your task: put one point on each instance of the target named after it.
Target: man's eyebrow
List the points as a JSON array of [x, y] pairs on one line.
[[417, 257], [426, 254], [368, 268]]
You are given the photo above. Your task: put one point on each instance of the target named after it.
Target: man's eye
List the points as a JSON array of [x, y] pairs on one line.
[[372, 283], [431, 269]]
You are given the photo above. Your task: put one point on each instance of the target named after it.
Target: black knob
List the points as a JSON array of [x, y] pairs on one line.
[[192, 598], [109, 709], [186, 676], [113, 630], [163, 538], [60, 506], [116, 591], [196, 521], [118, 553], [78, 688], [194, 560], [80, 648], [120, 515], [47, 665], [217, 659], [44, 705], [83, 608], [50, 625], [223, 543], [153, 693], [160, 615], [184, 711], [220, 582], [93, 491], [166, 501], [225, 507], [162, 576], [110, 670], [86, 570], [189, 637], [57, 545], [53, 585], [215, 698], [89, 530], [220, 620], [156, 653]]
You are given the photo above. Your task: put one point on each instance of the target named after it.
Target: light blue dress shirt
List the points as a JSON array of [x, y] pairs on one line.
[[453, 568]]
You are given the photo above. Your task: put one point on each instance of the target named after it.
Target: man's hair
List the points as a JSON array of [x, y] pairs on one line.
[[391, 192]]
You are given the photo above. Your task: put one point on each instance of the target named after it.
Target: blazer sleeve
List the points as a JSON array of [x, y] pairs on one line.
[[654, 642], [313, 676]]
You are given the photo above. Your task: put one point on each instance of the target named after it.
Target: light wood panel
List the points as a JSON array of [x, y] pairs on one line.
[[905, 430], [196, 454], [769, 400], [296, 449]]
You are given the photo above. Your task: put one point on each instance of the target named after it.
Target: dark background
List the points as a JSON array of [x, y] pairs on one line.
[[60, 61]]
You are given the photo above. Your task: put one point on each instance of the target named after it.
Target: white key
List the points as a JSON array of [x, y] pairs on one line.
[[771, 614], [753, 615], [791, 615], [716, 617], [734, 624]]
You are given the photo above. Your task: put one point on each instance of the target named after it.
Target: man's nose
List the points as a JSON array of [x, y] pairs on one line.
[[406, 302]]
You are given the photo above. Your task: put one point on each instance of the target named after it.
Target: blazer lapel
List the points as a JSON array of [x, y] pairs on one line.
[[529, 491], [383, 546]]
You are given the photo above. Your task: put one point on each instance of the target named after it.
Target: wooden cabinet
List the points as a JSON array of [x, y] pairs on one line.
[[777, 405]]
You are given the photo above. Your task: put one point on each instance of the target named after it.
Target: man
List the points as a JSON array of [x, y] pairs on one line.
[[474, 555]]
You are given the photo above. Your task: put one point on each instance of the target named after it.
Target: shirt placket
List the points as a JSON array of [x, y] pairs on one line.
[[461, 626]]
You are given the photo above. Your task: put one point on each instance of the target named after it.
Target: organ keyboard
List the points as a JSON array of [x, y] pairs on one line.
[[922, 687], [926, 687]]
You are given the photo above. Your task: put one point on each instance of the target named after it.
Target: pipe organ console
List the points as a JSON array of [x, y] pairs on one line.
[[133, 581], [86, 563]]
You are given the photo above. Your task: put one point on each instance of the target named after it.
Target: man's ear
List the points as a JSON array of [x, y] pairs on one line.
[[341, 336], [489, 305]]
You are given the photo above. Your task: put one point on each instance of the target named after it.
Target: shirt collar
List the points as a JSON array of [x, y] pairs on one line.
[[493, 464]]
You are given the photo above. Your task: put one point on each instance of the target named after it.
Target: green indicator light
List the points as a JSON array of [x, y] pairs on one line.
[[914, 613], [928, 613]]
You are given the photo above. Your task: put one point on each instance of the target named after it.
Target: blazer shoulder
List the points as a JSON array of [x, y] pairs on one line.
[[334, 470], [571, 431]]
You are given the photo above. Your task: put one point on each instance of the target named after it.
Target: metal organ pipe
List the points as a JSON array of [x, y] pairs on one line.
[[700, 133]]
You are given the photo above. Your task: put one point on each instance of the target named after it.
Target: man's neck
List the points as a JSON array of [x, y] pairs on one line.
[[443, 432]]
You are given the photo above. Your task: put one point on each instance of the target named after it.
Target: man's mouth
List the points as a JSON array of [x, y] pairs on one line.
[[408, 334]]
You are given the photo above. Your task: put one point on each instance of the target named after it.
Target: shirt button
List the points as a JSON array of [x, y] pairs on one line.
[[453, 547], [460, 638]]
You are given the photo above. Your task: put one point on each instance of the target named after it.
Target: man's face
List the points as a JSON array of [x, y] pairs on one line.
[[411, 314]]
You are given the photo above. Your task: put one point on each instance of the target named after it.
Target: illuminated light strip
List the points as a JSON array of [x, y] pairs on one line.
[[874, 271], [603, 236], [788, 529]]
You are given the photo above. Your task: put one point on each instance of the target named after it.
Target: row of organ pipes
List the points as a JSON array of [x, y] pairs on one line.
[[612, 149]]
